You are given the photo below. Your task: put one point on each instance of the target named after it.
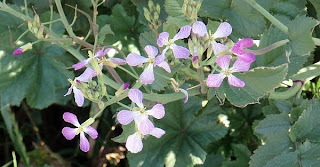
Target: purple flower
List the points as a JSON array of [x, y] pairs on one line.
[[178, 51], [223, 30], [140, 114], [70, 133], [100, 53], [147, 76], [88, 74], [22, 49], [238, 49], [215, 80], [18, 51]]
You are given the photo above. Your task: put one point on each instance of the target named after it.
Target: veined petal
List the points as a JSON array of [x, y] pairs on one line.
[[240, 66], [159, 59], [163, 39], [88, 74], [81, 64], [184, 32], [118, 61], [215, 80], [71, 118], [145, 126], [180, 52], [165, 66], [134, 59], [147, 76], [199, 28], [151, 51], [69, 91], [102, 52], [157, 111], [136, 96], [69, 133], [247, 57], [78, 96], [125, 117], [223, 62], [157, 132], [218, 47], [92, 132], [186, 95], [245, 43], [223, 30], [84, 143], [236, 49], [234, 81], [134, 143]]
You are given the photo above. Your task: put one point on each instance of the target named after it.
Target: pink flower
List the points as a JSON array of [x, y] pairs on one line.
[[238, 49], [215, 80], [88, 74], [140, 114], [178, 51], [70, 133], [22, 49], [147, 76]]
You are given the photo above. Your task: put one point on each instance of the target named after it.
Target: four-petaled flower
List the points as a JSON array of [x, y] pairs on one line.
[[215, 80], [100, 53], [147, 76], [238, 49], [70, 133], [178, 51]]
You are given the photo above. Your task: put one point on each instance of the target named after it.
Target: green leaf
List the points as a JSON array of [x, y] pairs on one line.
[[147, 38], [213, 160], [308, 125], [309, 153], [186, 136], [259, 82], [242, 154], [144, 3], [127, 130], [316, 5], [105, 30], [286, 159], [300, 34], [176, 16], [272, 125], [245, 20]]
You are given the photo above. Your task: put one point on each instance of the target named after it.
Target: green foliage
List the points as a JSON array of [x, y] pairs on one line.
[[316, 5], [174, 10], [186, 136], [144, 3]]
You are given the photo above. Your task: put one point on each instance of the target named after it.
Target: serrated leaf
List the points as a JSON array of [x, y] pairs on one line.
[[308, 124], [299, 31], [186, 136], [105, 30], [242, 154], [213, 160], [147, 38], [127, 130], [176, 16], [286, 159], [309, 153], [259, 82], [316, 5]]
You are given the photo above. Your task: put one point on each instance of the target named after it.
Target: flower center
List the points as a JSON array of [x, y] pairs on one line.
[[142, 110], [227, 72], [79, 130], [151, 60], [170, 42]]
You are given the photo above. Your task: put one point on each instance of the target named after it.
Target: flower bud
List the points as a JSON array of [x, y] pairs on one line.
[[122, 89], [150, 4], [22, 49], [158, 9], [147, 14]]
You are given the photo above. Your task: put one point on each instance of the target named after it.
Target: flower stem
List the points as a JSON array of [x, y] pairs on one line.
[[127, 71], [269, 48]]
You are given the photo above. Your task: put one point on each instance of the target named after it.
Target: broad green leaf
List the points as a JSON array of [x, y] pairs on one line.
[[259, 82], [105, 30], [147, 38], [176, 16], [309, 153], [308, 125], [242, 154], [127, 130], [272, 125], [300, 30], [286, 159], [316, 5], [213, 160], [186, 136], [144, 3]]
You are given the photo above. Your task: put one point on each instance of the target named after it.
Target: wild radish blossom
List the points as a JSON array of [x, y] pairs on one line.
[[215, 80], [70, 133], [22, 49], [178, 51], [147, 76], [88, 74], [238, 50], [223, 30]]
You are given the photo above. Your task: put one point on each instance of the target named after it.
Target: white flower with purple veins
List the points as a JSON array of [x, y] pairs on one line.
[[88, 74], [147, 76], [70, 133], [215, 80], [239, 50], [100, 53], [223, 30], [178, 51]]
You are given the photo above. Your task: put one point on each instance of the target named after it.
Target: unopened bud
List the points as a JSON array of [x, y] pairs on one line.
[[155, 16], [147, 14], [123, 88], [191, 46], [150, 4], [158, 9], [209, 52], [22, 49]]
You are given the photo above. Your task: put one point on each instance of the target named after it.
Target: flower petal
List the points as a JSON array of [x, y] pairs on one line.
[[125, 117], [69, 91], [88, 74], [215, 80], [134, 143], [223, 62], [92, 132], [180, 52], [247, 57], [236, 49], [136, 96], [163, 39], [78, 96], [84, 143], [245, 43], [199, 28], [134, 59], [147, 76], [159, 59], [186, 95], [157, 111], [157, 132], [118, 61], [218, 47], [151, 51], [102, 52], [240, 66], [165, 66], [234, 81], [18, 51], [223, 30], [69, 133], [184, 32], [145, 126], [71, 118], [81, 64]]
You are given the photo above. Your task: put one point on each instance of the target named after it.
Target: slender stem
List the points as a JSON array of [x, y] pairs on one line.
[[50, 22], [127, 71], [51, 14], [123, 105], [26, 7], [74, 17], [201, 80], [24, 33], [269, 48], [115, 75]]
